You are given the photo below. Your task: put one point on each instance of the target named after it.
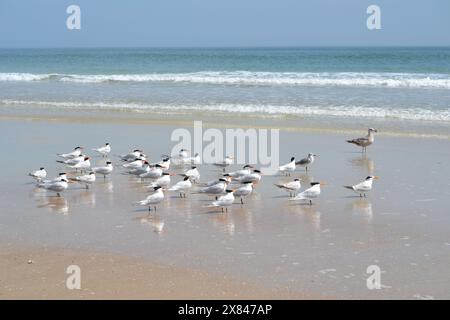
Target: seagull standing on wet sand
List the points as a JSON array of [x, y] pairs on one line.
[[305, 162], [363, 187], [366, 141]]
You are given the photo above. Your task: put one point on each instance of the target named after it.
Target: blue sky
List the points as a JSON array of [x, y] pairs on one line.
[[212, 23]]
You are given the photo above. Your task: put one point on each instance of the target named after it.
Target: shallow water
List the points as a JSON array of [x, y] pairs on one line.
[[325, 249]]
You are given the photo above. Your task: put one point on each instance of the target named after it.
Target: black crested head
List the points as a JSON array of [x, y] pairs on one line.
[[186, 178], [108, 162], [166, 174], [157, 188], [107, 144], [228, 190], [369, 177], [293, 158], [41, 168], [257, 171], [314, 183], [193, 167], [62, 173]]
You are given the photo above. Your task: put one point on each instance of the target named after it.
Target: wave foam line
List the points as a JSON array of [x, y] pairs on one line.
[[256, 110], [356, 79]]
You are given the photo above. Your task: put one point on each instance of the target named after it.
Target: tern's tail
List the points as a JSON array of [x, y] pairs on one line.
[[279, 186], [349, 187], [59, 161], [351, 141]]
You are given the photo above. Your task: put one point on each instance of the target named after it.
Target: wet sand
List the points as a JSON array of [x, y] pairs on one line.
[[321, 250], [40, 273]]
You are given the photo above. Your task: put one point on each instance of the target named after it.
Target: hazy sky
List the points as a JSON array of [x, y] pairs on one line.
[[191, 23]]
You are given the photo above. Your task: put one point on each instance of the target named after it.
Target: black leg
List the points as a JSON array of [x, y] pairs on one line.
[[242, 201]]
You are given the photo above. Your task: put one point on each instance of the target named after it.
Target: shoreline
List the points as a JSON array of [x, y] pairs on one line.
[[314, 125]]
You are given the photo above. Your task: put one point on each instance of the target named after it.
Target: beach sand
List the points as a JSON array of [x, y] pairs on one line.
[[268, 248], [40, 273]]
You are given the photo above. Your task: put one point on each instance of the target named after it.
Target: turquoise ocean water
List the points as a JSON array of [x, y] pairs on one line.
[[381, 83]]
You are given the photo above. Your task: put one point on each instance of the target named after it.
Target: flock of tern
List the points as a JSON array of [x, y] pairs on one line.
[[243, 180]]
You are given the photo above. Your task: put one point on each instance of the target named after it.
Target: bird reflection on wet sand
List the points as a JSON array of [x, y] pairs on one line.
[[55, 204]]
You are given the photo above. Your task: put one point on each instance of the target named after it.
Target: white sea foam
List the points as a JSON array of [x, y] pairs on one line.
[[252, 109], [348, 79]]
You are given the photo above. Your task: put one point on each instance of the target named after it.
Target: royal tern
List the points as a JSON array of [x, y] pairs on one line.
[[288, 167], [135, 154], [141, 170], [195, 159], [38, 174], [162, 181], [182, 186], [193, 173], [224, 163], [105, 150], [217, 188], [165, 163], [61, 176], [366, 141], [363, 187], [72, 161], [86, 179], [292, 187], [55, 186], [242, 172], [183, 154], [105, 170], [305, 162], [138, 163], [75, 153], [244, 190], [254, 177], [153, 172], [224, 201], [82, 165], [156, 197], [311, 193], [226, 176]]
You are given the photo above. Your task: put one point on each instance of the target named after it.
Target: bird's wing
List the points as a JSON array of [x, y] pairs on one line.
[[359, 141]]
